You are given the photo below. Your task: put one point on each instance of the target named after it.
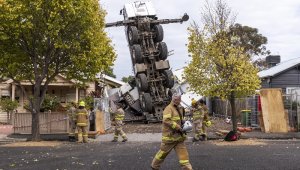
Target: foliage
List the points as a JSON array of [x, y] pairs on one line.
[[89, 102], [261, 64], [50, 103], [127, 79], [252, 42], [40, 39], [110, 72], [8, 105]]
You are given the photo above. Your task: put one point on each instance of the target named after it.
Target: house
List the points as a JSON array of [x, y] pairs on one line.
[[65, 90], [284, 75]]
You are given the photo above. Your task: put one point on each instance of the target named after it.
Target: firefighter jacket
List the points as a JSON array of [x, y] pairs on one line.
[[82, 117], [172, 121], [205, 112], [200, 113], [118, 115]]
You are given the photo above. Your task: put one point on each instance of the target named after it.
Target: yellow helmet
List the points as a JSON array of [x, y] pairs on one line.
[[194, 102], [82, 103], [208, 123]]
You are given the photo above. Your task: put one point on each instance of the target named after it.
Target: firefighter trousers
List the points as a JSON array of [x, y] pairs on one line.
[[198, 129], [82, 134], [119, 131], [165, 149]]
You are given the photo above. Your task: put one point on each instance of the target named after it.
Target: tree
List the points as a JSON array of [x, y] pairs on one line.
[[8, 106], [43, 38], [127, 79], [220, 65], [110, 72], [252, 42]]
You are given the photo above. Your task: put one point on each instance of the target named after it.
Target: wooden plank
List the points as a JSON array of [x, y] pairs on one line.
[[99, 122], [273, 110]]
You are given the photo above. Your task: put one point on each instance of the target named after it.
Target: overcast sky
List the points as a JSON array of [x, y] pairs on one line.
[[278, 20]]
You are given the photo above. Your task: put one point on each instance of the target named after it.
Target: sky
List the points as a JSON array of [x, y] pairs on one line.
[[277, 20]]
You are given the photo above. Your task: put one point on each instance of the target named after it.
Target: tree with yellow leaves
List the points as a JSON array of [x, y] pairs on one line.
[[220, 66], [43, 38]]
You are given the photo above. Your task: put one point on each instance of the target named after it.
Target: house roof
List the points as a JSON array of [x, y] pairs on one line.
[[279, 68], [110, 79]]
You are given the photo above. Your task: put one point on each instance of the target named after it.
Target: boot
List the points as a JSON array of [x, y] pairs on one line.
[[125, 140], [203, 137], [114, 140], [195, 139]]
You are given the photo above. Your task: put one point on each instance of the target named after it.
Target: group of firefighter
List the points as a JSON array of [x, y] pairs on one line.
[[173, 131], [79, 119]]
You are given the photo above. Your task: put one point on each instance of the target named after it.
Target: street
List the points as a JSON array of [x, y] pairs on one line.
[[210, 155]]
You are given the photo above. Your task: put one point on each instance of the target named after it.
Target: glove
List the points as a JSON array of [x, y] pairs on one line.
[[180, 131]]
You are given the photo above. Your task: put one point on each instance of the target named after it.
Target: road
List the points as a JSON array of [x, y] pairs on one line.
[[210, 155]]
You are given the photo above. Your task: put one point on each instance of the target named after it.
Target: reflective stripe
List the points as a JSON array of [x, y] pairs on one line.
[[175, 118], [159, 155], [174, 124], [84, 135], [197, 116], [171, 139], [81, 124], [82, 113], [184, 162], [119, 117], [165, 116]]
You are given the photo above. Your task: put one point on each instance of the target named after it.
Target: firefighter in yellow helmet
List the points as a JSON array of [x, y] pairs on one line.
[[118, 117], [200, 115], [173, 136], [205, 121], [82, 123]]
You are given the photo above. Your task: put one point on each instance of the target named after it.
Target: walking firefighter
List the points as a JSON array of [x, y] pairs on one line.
[[82, 123], [173, 135], [200, 120], [117, 118]]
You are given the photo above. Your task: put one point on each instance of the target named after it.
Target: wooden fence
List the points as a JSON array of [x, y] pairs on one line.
[[50, 123]]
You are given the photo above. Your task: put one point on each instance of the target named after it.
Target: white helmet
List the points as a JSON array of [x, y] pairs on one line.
[[187, 126]]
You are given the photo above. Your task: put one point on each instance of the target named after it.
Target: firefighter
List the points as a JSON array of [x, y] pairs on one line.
[[172, 136], [200, 116], [205, 121], [117, 118], [82, 123], [197, 120], [72, 121]]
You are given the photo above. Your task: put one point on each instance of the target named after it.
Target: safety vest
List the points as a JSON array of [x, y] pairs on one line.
[[171, 124], [82, 117]]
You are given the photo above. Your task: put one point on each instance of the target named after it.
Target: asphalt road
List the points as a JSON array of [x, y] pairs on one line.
[[272, 155]]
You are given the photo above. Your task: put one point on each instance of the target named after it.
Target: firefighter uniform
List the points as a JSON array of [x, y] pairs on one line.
[[200, 115], [72, 122], [172, 138], [82, 123], [118, 117], [204, 121]]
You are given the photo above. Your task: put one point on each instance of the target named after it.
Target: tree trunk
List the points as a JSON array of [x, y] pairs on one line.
[[233, 110], [36, 105]]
